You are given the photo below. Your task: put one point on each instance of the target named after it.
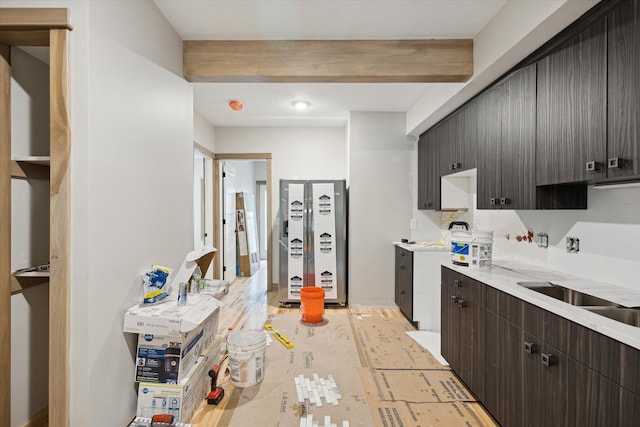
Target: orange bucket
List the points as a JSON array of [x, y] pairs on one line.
[[311, 304]]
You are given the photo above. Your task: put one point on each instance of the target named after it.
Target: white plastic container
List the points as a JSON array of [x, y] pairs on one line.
[[246, 357], [471, 249]]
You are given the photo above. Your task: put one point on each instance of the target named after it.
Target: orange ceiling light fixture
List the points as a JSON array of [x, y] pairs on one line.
[[235, 105]]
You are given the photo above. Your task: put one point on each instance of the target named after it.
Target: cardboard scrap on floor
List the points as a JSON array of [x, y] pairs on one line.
[[420, 398], [386, 345], [416, 385]]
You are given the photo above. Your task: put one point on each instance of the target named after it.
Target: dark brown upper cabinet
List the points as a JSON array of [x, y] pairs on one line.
[[428, 172], [457, 151], [623, 86], [506, 121], [571, 100]]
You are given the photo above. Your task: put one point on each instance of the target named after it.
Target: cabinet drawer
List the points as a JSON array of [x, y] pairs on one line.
[[595, 350], [553, 329], [463, 286], [504, 305], [630, 368]]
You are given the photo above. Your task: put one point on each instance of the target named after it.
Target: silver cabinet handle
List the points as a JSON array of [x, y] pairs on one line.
[[462, 303], [457, 283], [454, 299], [615, 163], [505, 201], [547, 359], [530, 347], [592, 166], [402, 292]]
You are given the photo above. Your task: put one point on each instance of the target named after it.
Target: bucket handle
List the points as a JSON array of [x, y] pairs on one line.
[[458, 223]]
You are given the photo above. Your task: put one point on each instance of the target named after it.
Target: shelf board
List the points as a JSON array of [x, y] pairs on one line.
[[30, 167], [38, 160], [22, 281]]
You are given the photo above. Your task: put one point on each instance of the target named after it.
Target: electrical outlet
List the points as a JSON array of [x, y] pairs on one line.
[[413, 223], [572, 245]]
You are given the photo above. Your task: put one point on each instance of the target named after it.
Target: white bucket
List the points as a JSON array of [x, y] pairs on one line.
[[471, 249], [246, 357]]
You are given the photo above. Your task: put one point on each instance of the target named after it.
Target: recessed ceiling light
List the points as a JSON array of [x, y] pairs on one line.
[[301, 105]]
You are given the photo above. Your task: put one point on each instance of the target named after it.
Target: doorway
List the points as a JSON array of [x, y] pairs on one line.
[[202, 197], [226, 160]]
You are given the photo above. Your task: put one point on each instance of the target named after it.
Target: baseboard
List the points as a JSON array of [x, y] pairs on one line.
[[40, 420]]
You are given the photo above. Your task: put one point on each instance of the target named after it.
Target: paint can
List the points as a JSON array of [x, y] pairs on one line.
[[246, 357]]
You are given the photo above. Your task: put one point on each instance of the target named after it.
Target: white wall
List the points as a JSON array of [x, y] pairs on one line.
[[608, 231], [29, 238], [140, 173], [380, 196], [296, 153], [204, 133]]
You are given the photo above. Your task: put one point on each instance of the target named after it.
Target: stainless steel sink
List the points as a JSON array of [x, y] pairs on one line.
[[567, 295], [630, 316]]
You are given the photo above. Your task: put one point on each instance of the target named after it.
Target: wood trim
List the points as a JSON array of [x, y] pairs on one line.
[[5, 235], [59, 249], [40, 420], [243, 156], [328, 61], [204, 150], [30, 26], [34, 18], [25, 38]]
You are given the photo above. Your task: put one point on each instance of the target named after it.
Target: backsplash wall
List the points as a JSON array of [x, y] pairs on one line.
[[609, 233]]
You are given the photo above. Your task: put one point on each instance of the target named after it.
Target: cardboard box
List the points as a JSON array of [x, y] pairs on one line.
[[170, 319], [184, 332], [180, 400]]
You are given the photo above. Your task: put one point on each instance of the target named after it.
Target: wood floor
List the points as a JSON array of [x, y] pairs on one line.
[[248, 306]]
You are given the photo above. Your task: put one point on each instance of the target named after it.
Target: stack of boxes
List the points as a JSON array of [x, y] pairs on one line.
[[177, 345]]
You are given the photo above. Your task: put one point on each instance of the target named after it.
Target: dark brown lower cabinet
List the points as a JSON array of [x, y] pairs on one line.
[[503, 385], [531, 367], [404, 282], [449, 328], [629, 413], [596, 399], [544, 380]]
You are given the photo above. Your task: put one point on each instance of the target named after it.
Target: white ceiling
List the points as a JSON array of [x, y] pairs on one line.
[[269, 104]]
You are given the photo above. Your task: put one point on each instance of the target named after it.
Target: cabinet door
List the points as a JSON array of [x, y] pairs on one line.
[[571, 123], [428, 172], [447, 133], [629, 409], [404, 282], [623, 150], [593, 399], [449, 322], [488, 151], [545, 385], [518, 183], [467, 147], [471, 346]]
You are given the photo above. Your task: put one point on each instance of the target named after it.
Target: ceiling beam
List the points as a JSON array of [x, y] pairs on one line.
[[329, 61]]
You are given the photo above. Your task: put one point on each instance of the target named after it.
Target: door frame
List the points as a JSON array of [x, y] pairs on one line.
[[204, 150], [216, 185]]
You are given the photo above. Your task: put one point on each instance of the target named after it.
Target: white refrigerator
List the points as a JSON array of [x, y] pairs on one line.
[[313, 239]]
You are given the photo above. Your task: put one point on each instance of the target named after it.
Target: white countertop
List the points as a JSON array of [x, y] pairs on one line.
[[423, 246], [504, 275]]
